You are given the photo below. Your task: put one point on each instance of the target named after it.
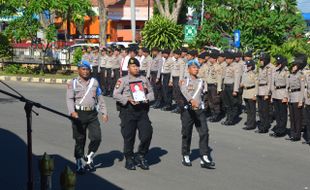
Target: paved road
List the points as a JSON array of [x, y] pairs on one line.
[[245, 160]]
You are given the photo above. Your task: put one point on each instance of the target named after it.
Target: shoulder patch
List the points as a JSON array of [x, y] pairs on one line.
[[118, 83]]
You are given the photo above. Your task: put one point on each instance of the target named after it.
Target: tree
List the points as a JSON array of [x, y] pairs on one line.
[[170, 10], [5, 47], [262, 23], [103, 18], [162, 32]]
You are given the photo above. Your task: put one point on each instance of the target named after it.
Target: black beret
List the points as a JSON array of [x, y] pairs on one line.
[[202, 55], [193, 52], [248, 54], [155, 49], [214, 54], [221, 54], [250, 63], [300, 60], [146, 50], [166, 51], [177, 51], [184, 49], [238, 54], [281, 59], [132, 49], [134, 61], [230, 55]]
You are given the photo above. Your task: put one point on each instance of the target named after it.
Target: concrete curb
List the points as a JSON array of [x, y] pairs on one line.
[[35, 79]]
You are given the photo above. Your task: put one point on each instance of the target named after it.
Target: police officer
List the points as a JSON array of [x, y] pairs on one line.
[[95, 62], [296, 89], [83, 94], [176, 76], [214, 86], [249, 85], [153, 74], [86, 54], [134, 116], [193, 113], [103, 74], [165, 78], [279, 88], [231, 83], [306, 110], [264, 93], [116, 62], [109, 79], [146, 62]]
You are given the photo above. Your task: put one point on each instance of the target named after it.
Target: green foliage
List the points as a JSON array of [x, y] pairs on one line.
[[262, 23], [5, 47], [162, 32], [291, 47], [77, 56], [17, 69]]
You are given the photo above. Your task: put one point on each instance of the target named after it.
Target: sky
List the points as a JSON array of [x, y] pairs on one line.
[[304, 6]]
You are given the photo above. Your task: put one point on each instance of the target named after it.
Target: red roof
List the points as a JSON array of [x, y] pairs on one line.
[[121, 3]]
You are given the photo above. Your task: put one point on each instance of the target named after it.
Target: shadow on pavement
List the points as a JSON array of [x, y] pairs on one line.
[[196, 154], [14, 167], [154, 154], [8, 100]]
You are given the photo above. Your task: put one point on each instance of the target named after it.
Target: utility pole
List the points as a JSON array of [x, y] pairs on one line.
[[133, 20]]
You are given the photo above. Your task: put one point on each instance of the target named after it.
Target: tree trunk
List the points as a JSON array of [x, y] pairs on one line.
[[166, 12], [69, 22], [103, 18]]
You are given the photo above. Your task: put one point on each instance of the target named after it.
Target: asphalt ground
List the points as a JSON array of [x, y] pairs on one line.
[[244, 160]]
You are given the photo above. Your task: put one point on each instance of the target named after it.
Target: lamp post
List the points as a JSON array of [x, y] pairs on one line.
[[133, 20]]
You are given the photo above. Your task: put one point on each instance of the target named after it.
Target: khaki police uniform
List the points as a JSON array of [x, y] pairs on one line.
[[165, 79], [103, 73], [249, 85], [176, 75], [296, 89], [134, 117], [153, 73], [231, 83], [82, 97], [145, 64], [192, 88], [306, 110], [263, 90], [279, 90]]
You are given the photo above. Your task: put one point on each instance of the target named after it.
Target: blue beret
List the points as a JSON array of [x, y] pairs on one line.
[[84, 63], [193, 62]]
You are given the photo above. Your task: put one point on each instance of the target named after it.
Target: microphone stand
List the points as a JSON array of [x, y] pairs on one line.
[[29, 104]]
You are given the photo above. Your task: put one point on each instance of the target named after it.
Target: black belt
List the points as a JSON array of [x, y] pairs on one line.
[[249, 87], [295, 90], [263, 84], [229, 84], [280, 87], [212, 84]]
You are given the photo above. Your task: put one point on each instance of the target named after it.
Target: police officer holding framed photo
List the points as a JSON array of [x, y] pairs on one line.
[[133, 94]]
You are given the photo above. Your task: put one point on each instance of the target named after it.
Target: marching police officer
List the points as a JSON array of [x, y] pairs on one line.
[[279, 88], [296, 89], [95, 62], [264, 93], [231, 80], [134, 114], [83, 99], [193, 113], [248, 83], [109, 79]]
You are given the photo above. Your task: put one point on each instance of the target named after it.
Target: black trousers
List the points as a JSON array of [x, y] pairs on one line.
[[86, 121], [109, 81], [251, 113], [156, 86], [177, 94], [230, 102], [95, 73], [124, 73], [133, 119], [295, 120], [103, 79], [306, 121], [188, 119], [166, 89], [281, 117], [143, 73], [117, 75], [214, 100], [264, 113]]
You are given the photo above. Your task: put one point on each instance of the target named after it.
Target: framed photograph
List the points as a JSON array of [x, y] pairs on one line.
[[137, 91]]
